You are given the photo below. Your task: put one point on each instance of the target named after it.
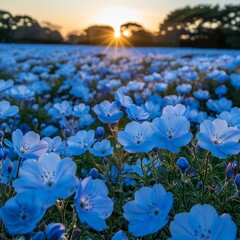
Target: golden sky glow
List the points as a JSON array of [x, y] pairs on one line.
[[79, 14]]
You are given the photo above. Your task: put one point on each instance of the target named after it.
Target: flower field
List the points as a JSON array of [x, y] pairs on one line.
[[119, 144]]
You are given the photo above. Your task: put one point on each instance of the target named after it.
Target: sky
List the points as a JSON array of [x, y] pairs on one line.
[[77, 15]]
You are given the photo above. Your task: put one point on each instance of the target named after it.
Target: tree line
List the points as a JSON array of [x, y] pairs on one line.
[[198, 26]]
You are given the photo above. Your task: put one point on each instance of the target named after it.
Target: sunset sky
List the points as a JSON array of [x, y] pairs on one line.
[[79, 14]]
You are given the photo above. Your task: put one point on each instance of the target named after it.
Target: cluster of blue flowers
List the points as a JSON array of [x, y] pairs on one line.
[[101, 146]]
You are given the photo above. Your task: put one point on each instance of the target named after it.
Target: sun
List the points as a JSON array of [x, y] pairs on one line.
[[115, 17], [117, 33]]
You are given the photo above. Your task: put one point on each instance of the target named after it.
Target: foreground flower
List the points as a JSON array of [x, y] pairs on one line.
[[28, 145], [120, 235], [171, 132], [136, 137], [80, 143], [50, 176], [148, 213], [6, 110], [102, 149], [92, 203], [21, 213], [202, 222], [108, 112], [218, 138]]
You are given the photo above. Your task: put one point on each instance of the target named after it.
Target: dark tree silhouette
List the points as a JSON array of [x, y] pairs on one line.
[[134, 34], [26, 29]]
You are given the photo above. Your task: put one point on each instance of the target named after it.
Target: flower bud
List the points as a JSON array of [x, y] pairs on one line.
[[76, 234], [183, 164], [100, 131], [237, 181], [55, 231], [94, 173]]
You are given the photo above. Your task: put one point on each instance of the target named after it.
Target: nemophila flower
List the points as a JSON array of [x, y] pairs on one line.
[[55, 231], [171, 132], [6, 110], [39, 236], [223, 104], [21, 213], [60, 110], [28, 145], [221, 90], [219, 75], [232, 117], [4, 85], [135, 85], [80, 143], [191, 102], [86, 120], [49, 176], [202, 94], [48, 131], [184, 88], [108, 112], [120, 235], [102, 148], [20, 92], [183, 164], [203, 222], [136, 137], [148, 212], [80, 110], [152, 108], [235, 80], [92, 203], [55, 144], [136, 113], [160, 87], [172, 100], [100, 131], [178, 110], [218, 138], [237, 181]]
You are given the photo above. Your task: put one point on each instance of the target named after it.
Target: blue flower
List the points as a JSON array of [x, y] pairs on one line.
[[102, 148], [20, 92], [123, 100], [28, 145], [108, 112], [80, 110], [183, 164], [136, 137], [148, 213], [80, 143], [92, 203], [171, 132], [120, 235], [4, 85], [178, 110], [6, 110], [218, 138], [202, 94], [184, 88], [220, 105], [235, 80], [50, 176], [55, 144], [60, 110], [202, 222], [136, 113], [21, 213], [55, 231], [232, 117]]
